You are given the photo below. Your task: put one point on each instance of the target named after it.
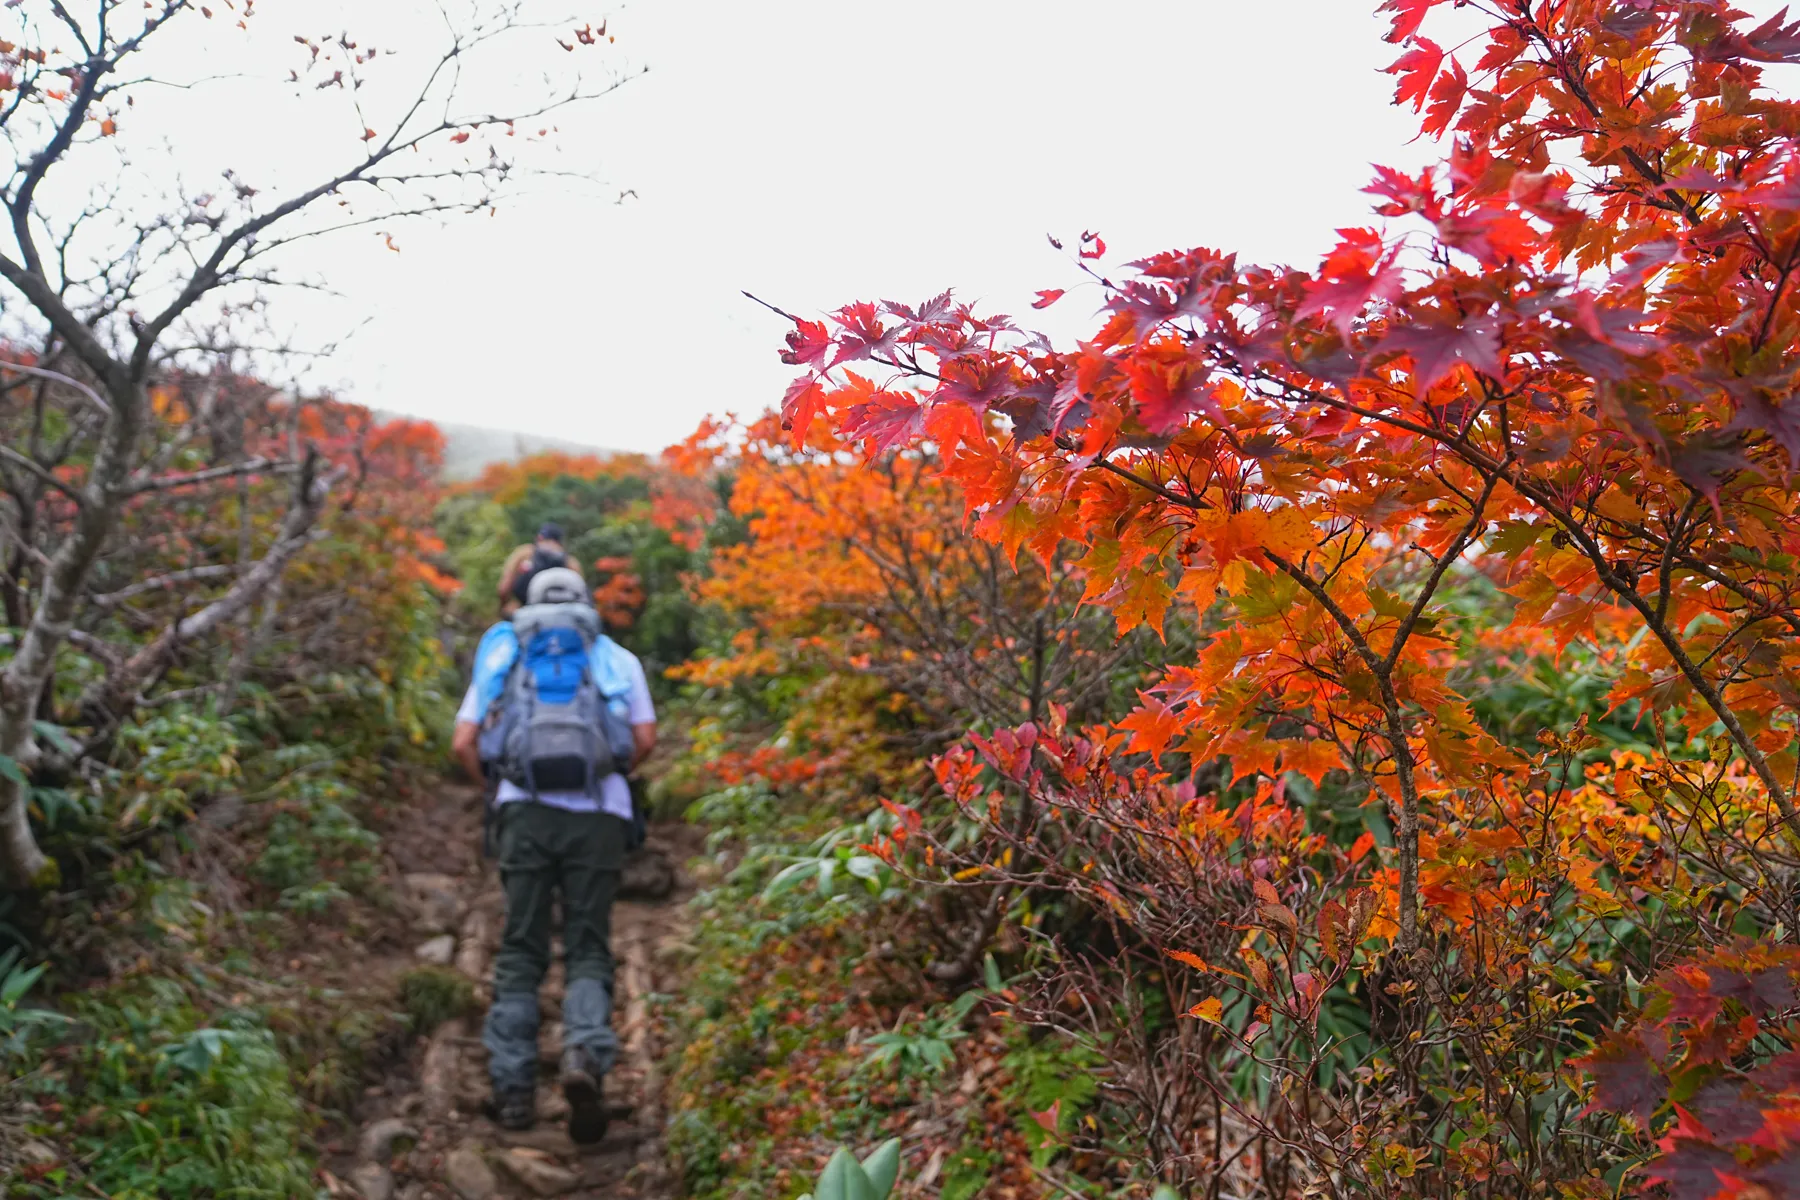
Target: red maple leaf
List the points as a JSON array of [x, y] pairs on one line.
[[1404, 193], [1446, 99], [1626, 1078], [808, 343], [1416, 69], [1775, 40], [800, 405], [1167, 392], [1152, 724], [977, 382], [1047, 297], [1351, 276], [887, 419], [1436, 349], [1492, 233], [864, 336], [1408, 16]]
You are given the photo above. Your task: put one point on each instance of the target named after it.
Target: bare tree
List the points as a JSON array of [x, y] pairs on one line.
[[111, 297]]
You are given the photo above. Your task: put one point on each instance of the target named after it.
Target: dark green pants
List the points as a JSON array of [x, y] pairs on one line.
[[546, 852]]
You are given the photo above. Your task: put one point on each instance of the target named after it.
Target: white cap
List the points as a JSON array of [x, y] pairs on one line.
[[556, 585]]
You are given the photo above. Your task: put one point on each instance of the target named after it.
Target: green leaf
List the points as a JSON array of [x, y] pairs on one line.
[[843, 1179], [56, 735], [990, 971], [1165, 1192], [10, 769], [827, 869], [863, 866], [17, 983], [1513, 538], [787, 879], [963, 1005], [883, 1167]]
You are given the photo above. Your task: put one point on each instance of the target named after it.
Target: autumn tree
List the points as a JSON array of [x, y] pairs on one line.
[[862, 577], [1560, 363], [124, 306]]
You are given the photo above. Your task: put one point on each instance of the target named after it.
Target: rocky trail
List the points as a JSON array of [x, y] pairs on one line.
[[423, 1131]]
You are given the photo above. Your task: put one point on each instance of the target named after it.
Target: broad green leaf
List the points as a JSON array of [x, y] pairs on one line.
[[843, 1179], [17, 983], [10, 769], [864, 866], [787, 879], [56, 735], [990, 971], [883, 1167]]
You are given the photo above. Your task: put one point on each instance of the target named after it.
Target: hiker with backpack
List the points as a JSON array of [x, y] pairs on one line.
[[525, 561], [558, 714]]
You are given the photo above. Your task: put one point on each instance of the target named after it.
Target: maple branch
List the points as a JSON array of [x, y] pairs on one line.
[[1404, 766], [1102, 463], [782, 312], [1477, 520], [1577, 86], [1625, 588]]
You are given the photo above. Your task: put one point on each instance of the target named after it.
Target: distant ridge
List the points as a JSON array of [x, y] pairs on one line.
[[468, 449]]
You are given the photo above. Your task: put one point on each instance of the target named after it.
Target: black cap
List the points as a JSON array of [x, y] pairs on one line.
[[550, 531]]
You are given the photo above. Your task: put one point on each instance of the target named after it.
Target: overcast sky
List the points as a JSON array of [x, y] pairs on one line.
[[821, 151]]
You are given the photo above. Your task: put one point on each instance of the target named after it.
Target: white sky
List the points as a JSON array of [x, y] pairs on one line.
[[821, 151]]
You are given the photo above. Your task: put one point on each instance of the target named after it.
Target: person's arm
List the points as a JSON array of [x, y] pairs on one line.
[[465, 735], [464, 750], [642, 715], [643, 741]]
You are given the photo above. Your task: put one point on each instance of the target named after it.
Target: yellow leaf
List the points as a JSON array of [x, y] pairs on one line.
[[1209, 1010], [1145, 600], [1620, 507]]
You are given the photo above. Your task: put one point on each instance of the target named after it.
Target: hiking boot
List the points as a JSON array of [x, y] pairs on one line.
[[515, 1110], [581, 1088]]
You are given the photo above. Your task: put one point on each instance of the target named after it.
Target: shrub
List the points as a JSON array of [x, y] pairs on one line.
[[433, 995], [156, 1104]]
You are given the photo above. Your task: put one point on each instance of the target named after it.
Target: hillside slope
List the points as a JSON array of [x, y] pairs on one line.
[[469, 448]]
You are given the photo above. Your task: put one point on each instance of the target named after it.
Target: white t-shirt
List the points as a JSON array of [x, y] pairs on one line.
[[615, 793]]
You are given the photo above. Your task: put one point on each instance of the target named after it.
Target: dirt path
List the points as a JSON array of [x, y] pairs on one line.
[[423, 1131]]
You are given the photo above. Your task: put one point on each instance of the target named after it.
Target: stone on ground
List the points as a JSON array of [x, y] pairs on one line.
[[538, 1171], [373, 1182], [436, 901], [438, 951], [377, 1142], [469, 1175]]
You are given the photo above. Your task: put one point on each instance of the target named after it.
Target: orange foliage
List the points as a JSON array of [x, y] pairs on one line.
[[1578, 386], [507, 482]]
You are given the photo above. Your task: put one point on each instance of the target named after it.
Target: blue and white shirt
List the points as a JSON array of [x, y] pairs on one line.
[[617, 673]]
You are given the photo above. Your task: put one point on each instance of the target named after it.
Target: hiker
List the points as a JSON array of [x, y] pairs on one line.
[[524, 561], [559, 714]]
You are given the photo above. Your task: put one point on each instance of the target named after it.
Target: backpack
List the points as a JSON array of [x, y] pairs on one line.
[[541, 560], [555, 731]]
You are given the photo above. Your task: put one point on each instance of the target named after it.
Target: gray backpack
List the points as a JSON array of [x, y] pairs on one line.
[[555, 731]]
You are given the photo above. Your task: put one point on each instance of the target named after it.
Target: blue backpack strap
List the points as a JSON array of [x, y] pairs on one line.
[[612, 678]]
